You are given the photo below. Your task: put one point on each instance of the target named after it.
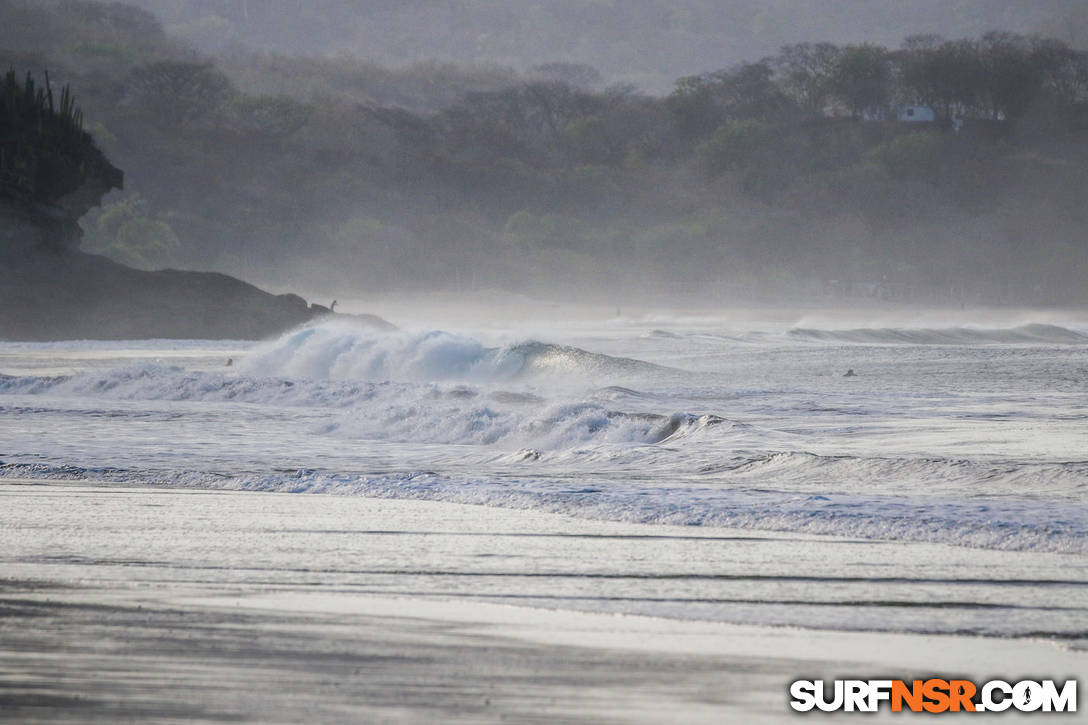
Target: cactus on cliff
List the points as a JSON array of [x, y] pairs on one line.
[[45, 155]]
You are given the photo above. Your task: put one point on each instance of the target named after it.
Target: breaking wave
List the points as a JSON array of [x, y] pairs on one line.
[[345, 352], [536, 428], [1035, 334], [547, 427], [445, 413]]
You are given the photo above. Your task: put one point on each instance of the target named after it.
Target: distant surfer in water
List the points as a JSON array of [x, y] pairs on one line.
[[332, 307], [850, 373], [230, 361]]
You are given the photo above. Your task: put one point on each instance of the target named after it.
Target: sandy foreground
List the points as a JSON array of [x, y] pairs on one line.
[[122, 603]]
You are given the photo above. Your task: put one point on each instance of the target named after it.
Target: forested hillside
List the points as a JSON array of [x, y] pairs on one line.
[[795, 173]]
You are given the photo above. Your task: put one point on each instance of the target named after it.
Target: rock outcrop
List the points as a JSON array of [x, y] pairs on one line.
[[51, 174], [50, 296]]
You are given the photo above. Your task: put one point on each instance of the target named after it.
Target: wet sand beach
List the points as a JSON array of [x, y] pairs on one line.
[[125, 603]]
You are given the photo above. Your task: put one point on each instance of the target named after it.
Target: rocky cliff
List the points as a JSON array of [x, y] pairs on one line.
[[51, 174]]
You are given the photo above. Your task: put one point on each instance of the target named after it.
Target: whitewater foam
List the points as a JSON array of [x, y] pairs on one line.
[[398, 411], [980, 523], [976, 446]]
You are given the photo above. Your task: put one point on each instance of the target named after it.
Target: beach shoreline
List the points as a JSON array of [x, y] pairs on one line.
[[103, 622]]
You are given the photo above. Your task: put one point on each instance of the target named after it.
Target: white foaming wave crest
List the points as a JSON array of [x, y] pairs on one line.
[[30, 384], [342, 352], [392, 411], [559, 426], [339, 351], [484, 422], [1035, 333], [985, 523]]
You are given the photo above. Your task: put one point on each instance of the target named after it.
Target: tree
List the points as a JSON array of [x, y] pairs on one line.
[[747, 91], [804, 72], [911, 155], [739, 145], [693, 107], [128, 232], [1062, 71], [862, 77], [514, 120], [703, 103], [946, 76], [1011, 79], [576, 75], [922, 42]]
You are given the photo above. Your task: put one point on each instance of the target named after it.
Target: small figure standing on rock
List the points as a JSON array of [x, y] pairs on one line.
[[850, 373]]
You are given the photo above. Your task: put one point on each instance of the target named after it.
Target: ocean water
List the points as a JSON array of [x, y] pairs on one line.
[[974, 436]]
